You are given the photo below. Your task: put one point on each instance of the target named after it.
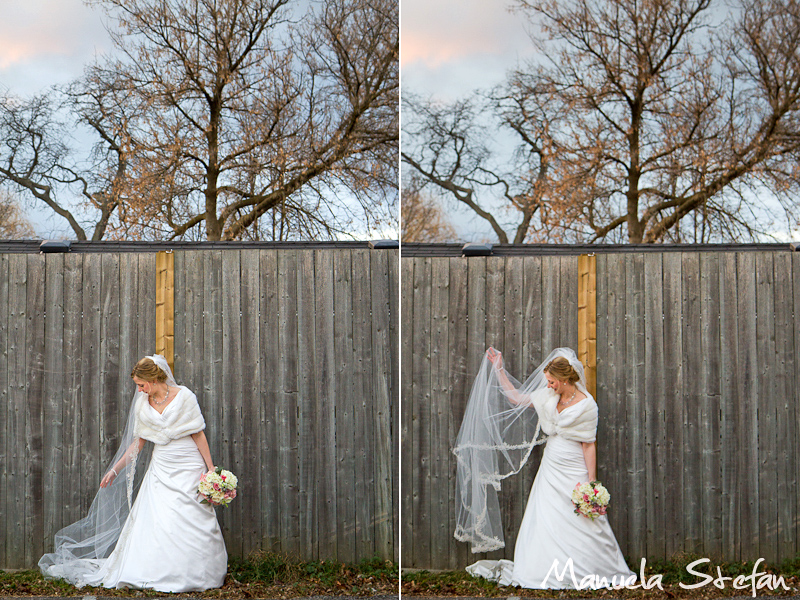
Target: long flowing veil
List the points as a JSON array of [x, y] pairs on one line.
[[79, 546], [498, 434]]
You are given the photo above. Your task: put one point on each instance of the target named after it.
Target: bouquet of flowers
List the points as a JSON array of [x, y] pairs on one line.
[[590, 499], [218, 487]]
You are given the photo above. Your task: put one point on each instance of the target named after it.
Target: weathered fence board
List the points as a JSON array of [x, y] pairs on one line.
[[697, 390], [291, 353]]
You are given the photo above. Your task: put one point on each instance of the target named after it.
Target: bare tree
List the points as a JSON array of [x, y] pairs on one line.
[[13, 223], [667, 126], [241, 123], [451, 150], [423, 220], [35, 157]]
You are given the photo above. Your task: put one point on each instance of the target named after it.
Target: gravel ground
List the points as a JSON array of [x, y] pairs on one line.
[[384, 597]]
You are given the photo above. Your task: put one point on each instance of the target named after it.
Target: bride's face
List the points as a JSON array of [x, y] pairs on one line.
[[142, 385], [553, 383]]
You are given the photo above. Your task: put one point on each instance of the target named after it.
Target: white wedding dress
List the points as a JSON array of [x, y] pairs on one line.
[[170, 542], [550, 529]]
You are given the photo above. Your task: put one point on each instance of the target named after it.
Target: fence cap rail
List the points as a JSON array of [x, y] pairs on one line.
[[432, 250], [36, 246]]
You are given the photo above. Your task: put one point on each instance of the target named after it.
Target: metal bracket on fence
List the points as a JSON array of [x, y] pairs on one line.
[[474, 249], [384, 244], [48, 246], [795, 246]]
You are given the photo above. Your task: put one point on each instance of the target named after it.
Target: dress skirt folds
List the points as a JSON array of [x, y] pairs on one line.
[[170, 542], [551, 531]]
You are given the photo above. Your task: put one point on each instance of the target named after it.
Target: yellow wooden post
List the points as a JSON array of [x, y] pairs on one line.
[[165, 306], [587, 318]]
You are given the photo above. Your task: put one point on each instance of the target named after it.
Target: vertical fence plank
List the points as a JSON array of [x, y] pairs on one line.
[[270, 391], [251, 419], [409, 465], [513, 489], [381, 426], [613, 406], [709, 409], [568, 303], [767, 410], [287, 402], [73, 308], [345, 404], [604, 381], [532, 351], [692, 421], [747, 438], [794, 469], [551, 300], [635, 402], [494, 334], [231, 401], [17, 318], [460, 380], [363, 478], [214, 362], [441, 496], [307, 409], [673, 400], [6, 441], [729, 400], [34, 409], [193, 342], [90, 386], [421, 392], [658, 505], [54, 459], [110, 376], [393, 357], [128, 336], [146, 296], [786, 401], [587, 318]]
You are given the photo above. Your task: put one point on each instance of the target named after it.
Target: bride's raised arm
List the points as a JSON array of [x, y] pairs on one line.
[[512, 393]]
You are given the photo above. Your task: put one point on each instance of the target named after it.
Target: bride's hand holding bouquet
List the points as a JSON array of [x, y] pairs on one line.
[[218, 487], [590, 499]]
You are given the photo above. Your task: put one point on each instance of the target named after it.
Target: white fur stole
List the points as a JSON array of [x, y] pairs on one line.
[[180, 418], [577, 423]]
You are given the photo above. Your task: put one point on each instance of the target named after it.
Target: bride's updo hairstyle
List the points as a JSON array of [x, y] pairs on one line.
[[560, 368], [147, 370]]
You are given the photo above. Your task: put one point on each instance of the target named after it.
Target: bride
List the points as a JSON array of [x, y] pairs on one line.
[[556, 548], [166, 540]]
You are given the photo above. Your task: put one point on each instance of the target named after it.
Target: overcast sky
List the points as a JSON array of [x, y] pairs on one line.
[[452, 47], [449, 47], [45, 43]]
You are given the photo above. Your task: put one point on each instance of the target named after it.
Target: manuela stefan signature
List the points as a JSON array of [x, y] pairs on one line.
[[756, 580]]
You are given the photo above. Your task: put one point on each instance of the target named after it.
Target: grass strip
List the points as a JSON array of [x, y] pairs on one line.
[[673, 572], [260, 575]]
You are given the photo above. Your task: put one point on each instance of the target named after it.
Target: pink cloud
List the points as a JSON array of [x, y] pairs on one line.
[[19, 51], [434, 51], [436, 32]]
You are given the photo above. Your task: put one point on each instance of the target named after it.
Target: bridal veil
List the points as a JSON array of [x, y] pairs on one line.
[[498, 434]]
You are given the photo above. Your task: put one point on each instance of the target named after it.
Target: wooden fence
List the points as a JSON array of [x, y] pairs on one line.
[[697, 385], [291, 352]]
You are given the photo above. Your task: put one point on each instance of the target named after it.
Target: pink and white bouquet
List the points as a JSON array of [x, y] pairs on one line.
[[218, 487], [590, 499]]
